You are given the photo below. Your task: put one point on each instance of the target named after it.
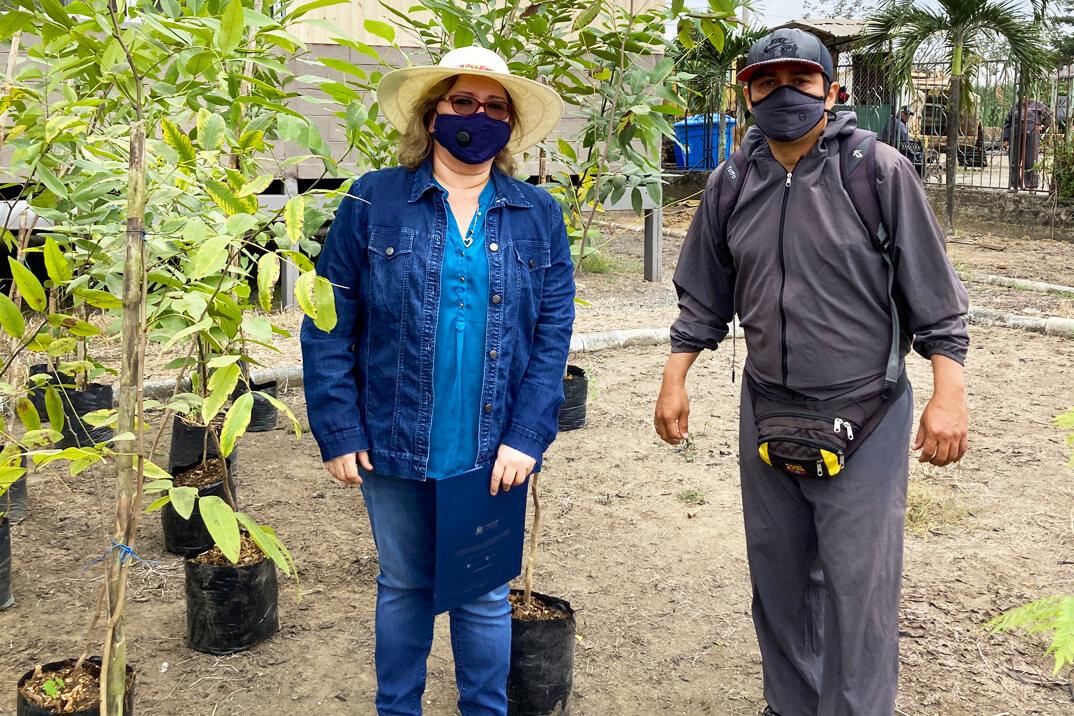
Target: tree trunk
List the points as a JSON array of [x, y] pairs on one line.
[[954, 109], [128, 467]]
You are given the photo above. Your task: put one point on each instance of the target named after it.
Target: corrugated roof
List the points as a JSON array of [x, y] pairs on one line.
[[834, 32]]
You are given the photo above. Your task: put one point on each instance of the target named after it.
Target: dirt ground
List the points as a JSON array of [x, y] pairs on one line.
[[660, 584]]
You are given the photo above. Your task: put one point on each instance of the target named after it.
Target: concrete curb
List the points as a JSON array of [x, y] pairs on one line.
[[1017, 283]]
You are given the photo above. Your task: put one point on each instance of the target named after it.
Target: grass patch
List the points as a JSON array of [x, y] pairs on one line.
[[930, 507], [691, 497], [597, 263]]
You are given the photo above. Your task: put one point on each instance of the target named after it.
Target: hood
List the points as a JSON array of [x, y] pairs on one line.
[[843, 124]]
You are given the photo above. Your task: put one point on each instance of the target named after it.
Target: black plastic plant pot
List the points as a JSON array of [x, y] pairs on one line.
[[13, 502], [191, 537], [575, 389], [37, 392], [189, 443], [230, 608], [542, 663], [6, 598], [25, 707], [263, 414], [77, 403]]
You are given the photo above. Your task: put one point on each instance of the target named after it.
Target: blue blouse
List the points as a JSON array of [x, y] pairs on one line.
[[459, 352]]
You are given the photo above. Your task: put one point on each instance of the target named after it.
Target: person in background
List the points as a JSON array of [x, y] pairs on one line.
[[454, 294], [1026, 122]]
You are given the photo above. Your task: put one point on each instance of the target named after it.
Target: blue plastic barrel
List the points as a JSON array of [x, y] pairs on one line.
[[697, 134]]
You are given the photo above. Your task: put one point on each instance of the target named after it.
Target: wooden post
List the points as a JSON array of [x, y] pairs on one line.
[[654, 243], [288, 271]]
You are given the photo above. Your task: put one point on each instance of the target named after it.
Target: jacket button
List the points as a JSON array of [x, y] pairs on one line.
[[389, 251], [496, 298], [493, 355], [532, 263], [494, 248], [488, 407]]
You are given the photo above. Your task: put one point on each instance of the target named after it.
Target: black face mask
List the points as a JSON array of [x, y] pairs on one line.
[[473, 139], [788, 113]]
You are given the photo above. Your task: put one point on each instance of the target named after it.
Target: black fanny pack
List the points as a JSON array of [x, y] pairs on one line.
[[814, 438]]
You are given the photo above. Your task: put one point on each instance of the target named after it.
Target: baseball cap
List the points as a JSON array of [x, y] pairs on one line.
[[788, 46], [906, 108]]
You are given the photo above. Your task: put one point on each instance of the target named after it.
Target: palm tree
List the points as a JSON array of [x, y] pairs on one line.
[[711, 67], [964, 26]]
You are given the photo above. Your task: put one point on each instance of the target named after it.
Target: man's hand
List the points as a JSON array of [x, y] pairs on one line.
[[672, 413], [512, 467], [345, 468], [943, 428]]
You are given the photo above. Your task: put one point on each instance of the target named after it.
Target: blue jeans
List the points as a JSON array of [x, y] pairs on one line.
[[401, 514]]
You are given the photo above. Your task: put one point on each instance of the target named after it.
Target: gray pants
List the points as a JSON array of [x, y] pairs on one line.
[[825, 560]]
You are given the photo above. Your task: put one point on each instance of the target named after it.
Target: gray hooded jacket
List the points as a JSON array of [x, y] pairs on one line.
[[809, 287]]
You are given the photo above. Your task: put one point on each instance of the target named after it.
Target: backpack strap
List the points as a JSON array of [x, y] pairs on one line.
[[857, 164], [732, 179]]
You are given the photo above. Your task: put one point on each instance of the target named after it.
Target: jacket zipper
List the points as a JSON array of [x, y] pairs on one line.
[[783, 282]]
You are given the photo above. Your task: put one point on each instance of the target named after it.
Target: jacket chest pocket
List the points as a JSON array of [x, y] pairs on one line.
[[390, 266], [532, 259]]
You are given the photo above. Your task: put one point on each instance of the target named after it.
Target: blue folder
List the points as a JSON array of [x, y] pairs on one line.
[[478, 537]]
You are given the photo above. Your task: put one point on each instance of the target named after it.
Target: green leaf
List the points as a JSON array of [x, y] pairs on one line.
[[30, 288], [220, 520], [157, 504], [310, 6], [62, 346], [156, 472], [211, 131], [586, 16], [11, 319], [75, 326], [381, 29], [9, 475], [51, 181], [294, 215], [235, 423], [636, 200], [344, 67], [183, 500], [566, 149], [28, 414], [177, 140], [221, 384], [230, 33], [263, 540], [211, 258], [54, 408], [56, 263], [279, 405], [226, 200], [325, 299], [99, 299], [268, 273], [222, 361], [256, 185]]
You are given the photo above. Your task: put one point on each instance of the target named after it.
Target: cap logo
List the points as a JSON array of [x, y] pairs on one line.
[[475, 67], [781, 47]]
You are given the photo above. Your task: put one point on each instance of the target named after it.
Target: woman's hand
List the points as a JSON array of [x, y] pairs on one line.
[[345, 468], [512, 468]]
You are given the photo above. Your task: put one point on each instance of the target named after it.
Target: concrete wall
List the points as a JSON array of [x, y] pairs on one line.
[[976, 210], [1007, 213]]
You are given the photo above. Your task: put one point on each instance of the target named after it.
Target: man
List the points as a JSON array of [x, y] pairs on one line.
[[897, 135], [811, 292], [1031, 118]]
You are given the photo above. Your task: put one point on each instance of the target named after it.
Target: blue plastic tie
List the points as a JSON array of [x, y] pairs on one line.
[[125, 554]]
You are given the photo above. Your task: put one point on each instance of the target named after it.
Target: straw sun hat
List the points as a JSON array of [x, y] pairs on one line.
[[537, 108]]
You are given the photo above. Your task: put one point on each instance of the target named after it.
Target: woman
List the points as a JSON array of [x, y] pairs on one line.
[[455, 299]]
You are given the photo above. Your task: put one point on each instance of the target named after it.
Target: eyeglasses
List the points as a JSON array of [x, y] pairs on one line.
[[497, 109]]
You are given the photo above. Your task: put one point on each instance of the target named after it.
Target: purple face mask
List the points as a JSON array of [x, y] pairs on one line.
[[788, 113], [473, 139]]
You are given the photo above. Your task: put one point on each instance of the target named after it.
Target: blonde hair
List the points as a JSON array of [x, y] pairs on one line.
[[416, 143]]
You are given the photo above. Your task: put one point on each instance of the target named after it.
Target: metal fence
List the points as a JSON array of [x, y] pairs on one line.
[[1008, 140], [1009, 131]]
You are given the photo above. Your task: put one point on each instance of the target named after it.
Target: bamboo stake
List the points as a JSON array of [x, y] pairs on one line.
[[527, 598], [128, 467]]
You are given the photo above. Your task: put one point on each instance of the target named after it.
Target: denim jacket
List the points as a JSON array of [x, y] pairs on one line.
[[369, 381]]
